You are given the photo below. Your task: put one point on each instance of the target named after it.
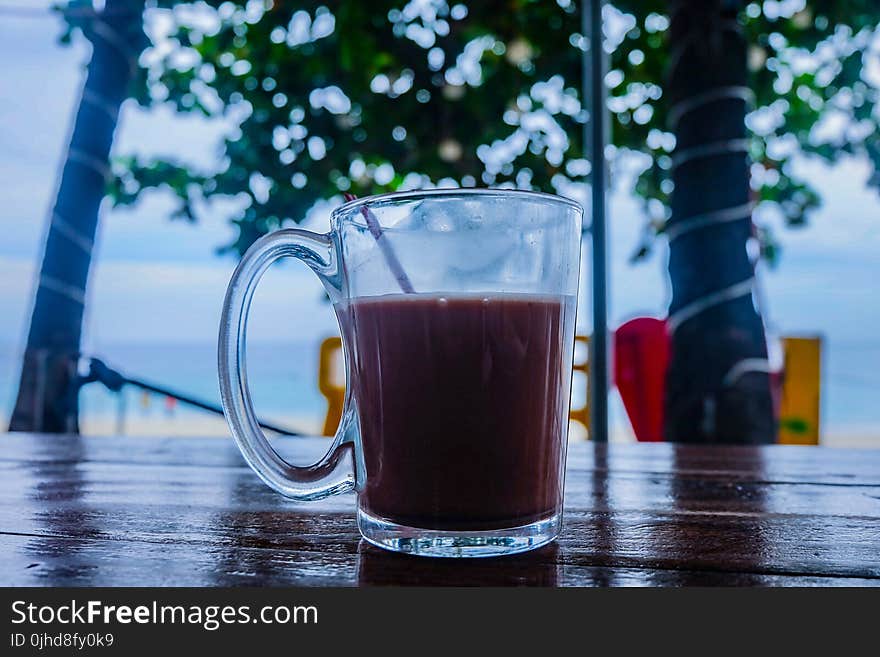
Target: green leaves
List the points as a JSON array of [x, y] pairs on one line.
[[339, 96]]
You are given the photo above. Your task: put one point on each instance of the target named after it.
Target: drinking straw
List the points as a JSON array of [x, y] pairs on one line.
[[385, 246]]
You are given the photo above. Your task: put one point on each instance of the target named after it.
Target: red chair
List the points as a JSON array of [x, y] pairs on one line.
[[641, 356]]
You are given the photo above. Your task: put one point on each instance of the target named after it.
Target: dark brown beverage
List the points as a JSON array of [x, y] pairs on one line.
[[463, 405]]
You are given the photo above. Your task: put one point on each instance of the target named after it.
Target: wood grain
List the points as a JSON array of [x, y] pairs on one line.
[[127, 511]]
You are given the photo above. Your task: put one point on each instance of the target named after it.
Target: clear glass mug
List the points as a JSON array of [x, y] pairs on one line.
[[457, 314]]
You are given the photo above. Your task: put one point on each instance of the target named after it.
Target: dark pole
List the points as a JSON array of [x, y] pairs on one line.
[[53, 344], [594, 135], [198, 403], [718, 386], [116, 381]]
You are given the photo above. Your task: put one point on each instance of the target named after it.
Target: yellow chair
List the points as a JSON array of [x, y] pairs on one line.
[[582, 366], [334, 390], [799, 404]]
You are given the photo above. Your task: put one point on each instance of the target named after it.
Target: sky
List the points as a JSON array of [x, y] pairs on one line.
[[161, 281]]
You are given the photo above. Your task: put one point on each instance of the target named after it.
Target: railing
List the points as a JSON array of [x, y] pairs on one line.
[[113, 380]]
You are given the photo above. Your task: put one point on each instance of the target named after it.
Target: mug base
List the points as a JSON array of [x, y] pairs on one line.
[[456, 544]]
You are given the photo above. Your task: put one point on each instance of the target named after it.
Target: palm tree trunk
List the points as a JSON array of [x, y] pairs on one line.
[[718, 384], [47, 400]]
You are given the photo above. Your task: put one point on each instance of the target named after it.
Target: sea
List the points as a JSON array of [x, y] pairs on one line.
[[283, 379]]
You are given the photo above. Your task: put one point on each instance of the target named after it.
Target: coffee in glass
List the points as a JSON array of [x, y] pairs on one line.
[[457, 313]]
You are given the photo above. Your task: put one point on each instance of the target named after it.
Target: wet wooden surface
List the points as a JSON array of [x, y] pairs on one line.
[[189, 512]]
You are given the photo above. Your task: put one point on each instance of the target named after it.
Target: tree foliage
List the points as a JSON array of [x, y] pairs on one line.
[[329, 97]]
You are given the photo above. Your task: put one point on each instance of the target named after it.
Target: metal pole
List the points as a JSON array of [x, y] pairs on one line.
[[198, 403], [115, 382], [594, 65]]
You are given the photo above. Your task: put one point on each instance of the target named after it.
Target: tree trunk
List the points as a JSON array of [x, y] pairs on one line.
[[47, 400], [718, 387]]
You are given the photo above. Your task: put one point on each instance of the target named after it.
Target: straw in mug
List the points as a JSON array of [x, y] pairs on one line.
[[385, 246]]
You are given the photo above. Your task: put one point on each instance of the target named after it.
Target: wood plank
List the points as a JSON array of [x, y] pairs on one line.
[[782, 463], [34, 561], [109, 482], [733, 542], [189, 511]]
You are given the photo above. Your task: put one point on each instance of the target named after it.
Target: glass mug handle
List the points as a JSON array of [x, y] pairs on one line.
[[334, 472]]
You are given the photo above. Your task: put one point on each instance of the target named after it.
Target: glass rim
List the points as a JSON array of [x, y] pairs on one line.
[[415, 194]]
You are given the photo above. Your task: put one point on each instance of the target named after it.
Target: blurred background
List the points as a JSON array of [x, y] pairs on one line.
[[202, 165]]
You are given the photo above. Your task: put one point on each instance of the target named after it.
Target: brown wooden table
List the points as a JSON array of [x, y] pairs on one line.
[[135, 511]]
